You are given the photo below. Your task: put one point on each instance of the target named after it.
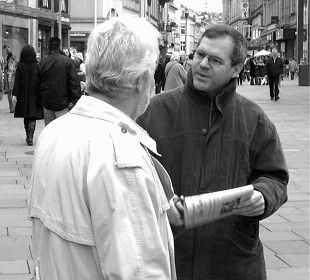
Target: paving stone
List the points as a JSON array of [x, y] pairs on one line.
[[272, 261], [13, 203], [303, 234], [15, 248], [13, 267], [301, 273], [15, 277], [10, 173], [295, 260], [3, 231], [297, 218], [288, 246], [25, 231], [275, 218], [268, 236]]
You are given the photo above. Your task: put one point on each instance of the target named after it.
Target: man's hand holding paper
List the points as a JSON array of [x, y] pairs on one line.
[[254, 206]]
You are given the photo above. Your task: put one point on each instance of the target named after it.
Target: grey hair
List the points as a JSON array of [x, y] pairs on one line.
[[121, 53]]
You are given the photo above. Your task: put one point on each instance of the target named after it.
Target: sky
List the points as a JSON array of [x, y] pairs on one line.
[[199, 5]]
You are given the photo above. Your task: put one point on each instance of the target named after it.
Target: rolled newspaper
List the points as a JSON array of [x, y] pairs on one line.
[[204, 208]]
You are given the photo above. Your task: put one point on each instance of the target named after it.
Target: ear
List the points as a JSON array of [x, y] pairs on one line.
[[236, 70]]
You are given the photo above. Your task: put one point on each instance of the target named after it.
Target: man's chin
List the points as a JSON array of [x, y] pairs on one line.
[[201, 85]]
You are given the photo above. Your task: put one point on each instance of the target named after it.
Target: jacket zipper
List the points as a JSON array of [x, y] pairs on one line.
[[210, 115]]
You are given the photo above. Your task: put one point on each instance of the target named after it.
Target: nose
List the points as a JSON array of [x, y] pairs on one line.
[[205, 62]]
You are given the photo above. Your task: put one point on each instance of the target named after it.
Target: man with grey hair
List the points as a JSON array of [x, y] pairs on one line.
[[213, 139], [273, 70], [99, 201]]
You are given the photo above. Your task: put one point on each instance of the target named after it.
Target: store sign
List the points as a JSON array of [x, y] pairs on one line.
[[244, 8], [45, 4]]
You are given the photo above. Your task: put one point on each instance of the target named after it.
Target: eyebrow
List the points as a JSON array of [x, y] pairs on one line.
[[201, 51]]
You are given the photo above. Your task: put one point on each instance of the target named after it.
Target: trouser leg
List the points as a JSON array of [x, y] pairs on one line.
[[271, 88], [276, 88], [26, 122], [31, 129], [11, 105]]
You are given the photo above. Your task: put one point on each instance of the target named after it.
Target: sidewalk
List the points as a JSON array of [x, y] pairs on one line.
[[285, 235]]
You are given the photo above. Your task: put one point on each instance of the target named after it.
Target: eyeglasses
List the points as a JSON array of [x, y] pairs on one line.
[[212, 60]]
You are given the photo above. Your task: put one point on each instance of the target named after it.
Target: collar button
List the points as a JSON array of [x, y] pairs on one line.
[[124, 130]]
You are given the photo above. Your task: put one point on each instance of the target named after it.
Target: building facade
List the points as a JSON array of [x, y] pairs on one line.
[[32, 22], [269, 24], [87, 13]]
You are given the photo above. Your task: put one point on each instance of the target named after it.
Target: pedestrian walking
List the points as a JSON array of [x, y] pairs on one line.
[[1, 80], [174, 73], [98, 206], [159, 75], [188, 63], [292, 67], [252, 65], [273, 71], [27, 106], [56, 82], [9, 76], [210, 139]]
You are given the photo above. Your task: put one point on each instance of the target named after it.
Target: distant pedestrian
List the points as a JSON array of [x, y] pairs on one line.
[[174, 73], [188, 63], [240, 76], [1, 81], [252, 65], [159, 75], [292, 67], [27, 106], [273, 70], [81, 68], [9, 76], [56, 82]]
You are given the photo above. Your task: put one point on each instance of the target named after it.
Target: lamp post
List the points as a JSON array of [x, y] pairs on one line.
[[186, 16], [59, 21]]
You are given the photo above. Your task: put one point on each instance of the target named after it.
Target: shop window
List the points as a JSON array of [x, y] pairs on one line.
[[182, 43], [14, 39], [182, 29]]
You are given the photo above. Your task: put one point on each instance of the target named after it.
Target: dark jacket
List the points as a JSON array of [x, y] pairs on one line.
[[274, 68], [27, 105], [210, 146], [56, 82]]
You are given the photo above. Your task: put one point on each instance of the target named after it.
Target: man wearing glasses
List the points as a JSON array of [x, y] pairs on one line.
[[213, 139]]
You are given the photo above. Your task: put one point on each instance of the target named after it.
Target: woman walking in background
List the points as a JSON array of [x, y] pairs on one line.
[[27, 106], [9, 76]]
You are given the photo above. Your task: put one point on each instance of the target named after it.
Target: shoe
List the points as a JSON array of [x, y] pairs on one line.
[[271, 98], [277, 98]]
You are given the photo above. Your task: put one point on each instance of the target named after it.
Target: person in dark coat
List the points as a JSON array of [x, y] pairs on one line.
[[211, 139], [56, 82], [27, 106], [273, 70], [253, 65]]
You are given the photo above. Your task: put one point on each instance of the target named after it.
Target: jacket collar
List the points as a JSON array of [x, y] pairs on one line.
[[94, 108]]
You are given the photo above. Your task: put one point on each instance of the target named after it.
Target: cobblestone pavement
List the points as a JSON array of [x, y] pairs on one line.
[[285, 235]]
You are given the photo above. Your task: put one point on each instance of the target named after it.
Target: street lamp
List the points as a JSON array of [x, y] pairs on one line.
[[186, 13]]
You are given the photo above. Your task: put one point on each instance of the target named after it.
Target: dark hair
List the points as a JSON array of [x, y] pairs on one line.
[[239, 52], [53, 44], [191, 56], [28, 54], [9, 54]]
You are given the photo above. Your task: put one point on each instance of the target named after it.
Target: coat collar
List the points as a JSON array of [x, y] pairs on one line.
[[94, 108]]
